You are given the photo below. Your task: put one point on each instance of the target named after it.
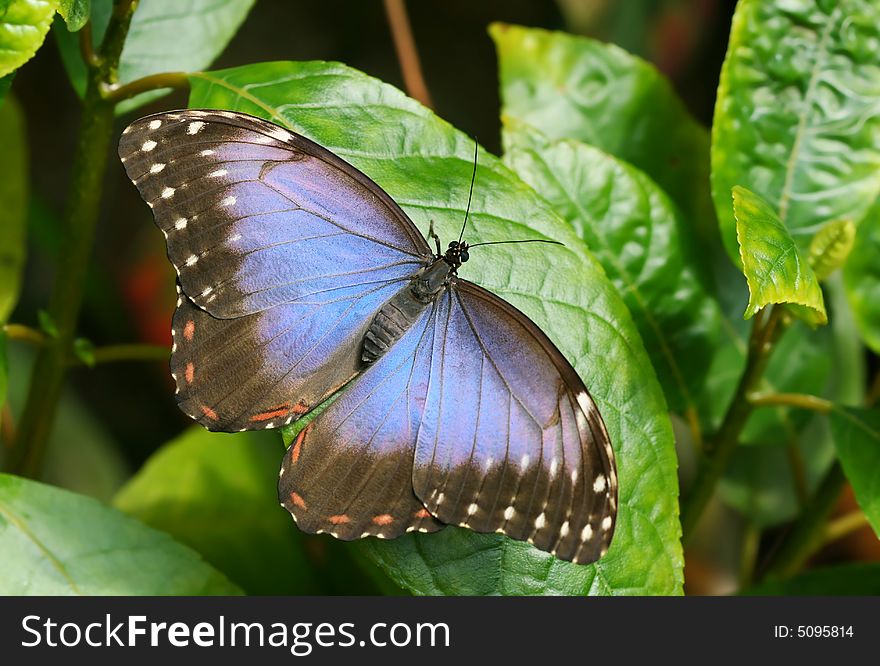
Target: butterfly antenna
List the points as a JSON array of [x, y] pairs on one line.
[[527, 240], [471, 193]]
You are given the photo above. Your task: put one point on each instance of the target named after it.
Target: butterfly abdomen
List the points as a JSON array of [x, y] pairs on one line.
[[401, 311]]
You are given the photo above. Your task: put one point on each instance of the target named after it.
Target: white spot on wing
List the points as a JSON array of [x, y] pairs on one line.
[[509, 513], [206, 152], [280, 134], [180, 224], [157, 167], [234, 238], [148, 146], [155, 124], [563, 531], [191, 260], [599, 484], [524, 461], [228, 201], [194, 127], [218, 173], [540, 521], [472, 509], [606, 523], [168, 192], [587, 533], [554, 467]]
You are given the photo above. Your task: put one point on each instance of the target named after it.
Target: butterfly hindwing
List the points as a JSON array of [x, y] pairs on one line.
[[255, 216], [349, 472], [510, 440]]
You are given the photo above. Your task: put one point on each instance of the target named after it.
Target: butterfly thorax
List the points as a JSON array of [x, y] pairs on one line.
[[399, 313]]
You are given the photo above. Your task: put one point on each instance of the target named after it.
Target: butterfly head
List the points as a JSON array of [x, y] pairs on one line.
[[456, 254]]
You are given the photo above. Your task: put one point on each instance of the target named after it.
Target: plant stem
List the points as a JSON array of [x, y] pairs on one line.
[[802, 400], [805, 535], [24, 334], [81, 216], [129, 352], [119, 93], [407, 54], [718, 450], [844, 526]]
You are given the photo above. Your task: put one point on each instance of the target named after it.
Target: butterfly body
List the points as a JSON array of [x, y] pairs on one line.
[[298, 276]]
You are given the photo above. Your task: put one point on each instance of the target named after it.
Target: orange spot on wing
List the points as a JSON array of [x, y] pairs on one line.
[[189, 373], [189, 330], [340, 519], [297, 500], [423, 513], [300, 408], [210, 413], [272, 413], [297, 445], [383, 519]]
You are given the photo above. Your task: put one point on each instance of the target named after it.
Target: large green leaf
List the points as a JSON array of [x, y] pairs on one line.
[[848, 579], [55, 542], [425, 164], [638, 236], [216, 493], [862, 278], [23, 27], [796, 118], [13, 204], [771, 261], [186, 35], [857, 438], [578, 88]]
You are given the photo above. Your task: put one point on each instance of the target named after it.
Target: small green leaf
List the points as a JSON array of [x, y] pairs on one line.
[[861, 276], [830, 247], [13, 204], [84, 350], [847, 580], [23, 27], [571, 87], [164, 37], [857, 437], [638, 236], [55, 542], [796, 114], [217, 494], [75, 13], [47, 324], [771, 261], [426, 165]]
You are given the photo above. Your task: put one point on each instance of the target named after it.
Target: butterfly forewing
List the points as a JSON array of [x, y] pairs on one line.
[[510, 440], [255, 216]]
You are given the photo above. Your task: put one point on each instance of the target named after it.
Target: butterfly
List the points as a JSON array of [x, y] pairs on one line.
[[298, 276]]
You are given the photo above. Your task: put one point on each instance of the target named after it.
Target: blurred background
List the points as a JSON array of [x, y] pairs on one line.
[[125, 411]]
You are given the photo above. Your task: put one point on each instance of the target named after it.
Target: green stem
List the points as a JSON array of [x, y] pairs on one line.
[[719, 449], [802, 400], [24, 334], [81, 216], [805, 535], [844, 526], [118, 93], [132, 352]]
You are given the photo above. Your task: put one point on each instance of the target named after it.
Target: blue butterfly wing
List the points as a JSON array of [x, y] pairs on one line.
[[510, 440], [349, 472], [284, 253]]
